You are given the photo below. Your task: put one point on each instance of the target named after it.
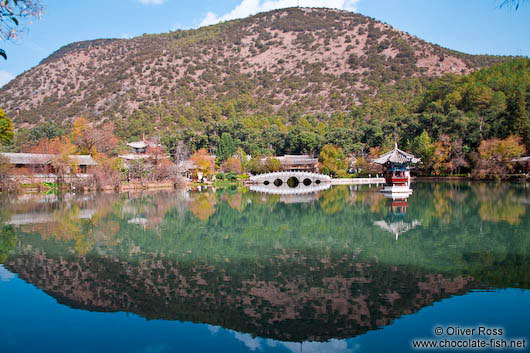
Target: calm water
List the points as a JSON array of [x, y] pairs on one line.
[[344, 270]]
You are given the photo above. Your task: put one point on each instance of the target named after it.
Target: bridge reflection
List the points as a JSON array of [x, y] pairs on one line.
[[290, 183], [285, 189]]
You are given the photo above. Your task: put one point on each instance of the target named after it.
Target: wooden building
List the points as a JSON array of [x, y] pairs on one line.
[[306, 163], [37, 163]]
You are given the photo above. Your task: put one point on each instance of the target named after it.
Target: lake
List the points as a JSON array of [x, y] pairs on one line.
[[231, 270]]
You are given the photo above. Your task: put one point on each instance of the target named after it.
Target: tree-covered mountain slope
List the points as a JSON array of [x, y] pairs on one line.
[[289, 61]]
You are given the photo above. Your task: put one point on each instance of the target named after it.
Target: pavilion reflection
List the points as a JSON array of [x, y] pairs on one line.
[[395, 221]]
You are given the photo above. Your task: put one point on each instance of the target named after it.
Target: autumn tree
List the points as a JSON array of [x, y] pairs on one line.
[[204, 162], [5, 170], [107, 172], [332, 160], [365, 165], [458, 156], [441, 155], [233, 165], [495, 157], [61, 162], [155, 153], [91, 139], [203, 205]]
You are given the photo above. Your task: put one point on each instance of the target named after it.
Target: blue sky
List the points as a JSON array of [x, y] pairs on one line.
[[471, 26]]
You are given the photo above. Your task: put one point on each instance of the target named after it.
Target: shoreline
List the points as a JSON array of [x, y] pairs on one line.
[[127, 187]]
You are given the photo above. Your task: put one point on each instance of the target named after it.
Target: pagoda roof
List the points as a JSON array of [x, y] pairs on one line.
[[397, 228], [396, 156]]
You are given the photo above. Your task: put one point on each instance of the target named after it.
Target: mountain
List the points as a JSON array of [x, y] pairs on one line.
[[288, 61]]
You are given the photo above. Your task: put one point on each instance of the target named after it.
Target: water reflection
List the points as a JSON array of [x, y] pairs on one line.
[[394, 222], [288, 272]]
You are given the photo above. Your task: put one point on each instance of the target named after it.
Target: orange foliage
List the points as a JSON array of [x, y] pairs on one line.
[[204, 162]]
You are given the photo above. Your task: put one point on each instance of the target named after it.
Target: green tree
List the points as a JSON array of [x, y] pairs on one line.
[[273, 165], [332, 160], [423, 148], [516, 115], [227, 147], [47, 130], [6, 128]]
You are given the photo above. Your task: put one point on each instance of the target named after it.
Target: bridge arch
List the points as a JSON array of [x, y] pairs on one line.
[[290, 180]]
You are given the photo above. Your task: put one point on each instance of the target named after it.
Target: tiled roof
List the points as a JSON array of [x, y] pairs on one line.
[[142, 144], [83, 159], [39, 158], [397, 156], [297, 159]]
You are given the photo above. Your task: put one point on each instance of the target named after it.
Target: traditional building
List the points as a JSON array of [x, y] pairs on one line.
[[397, 176], [299, 163], [138, 151], [37, 163]]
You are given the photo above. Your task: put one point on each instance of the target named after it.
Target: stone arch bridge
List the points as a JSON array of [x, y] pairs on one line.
[[291, 180]]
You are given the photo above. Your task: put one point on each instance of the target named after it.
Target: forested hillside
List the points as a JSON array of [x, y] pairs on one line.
[[284, 62]]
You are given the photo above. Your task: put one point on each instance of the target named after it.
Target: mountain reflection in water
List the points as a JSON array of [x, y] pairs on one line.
[[316, 271]]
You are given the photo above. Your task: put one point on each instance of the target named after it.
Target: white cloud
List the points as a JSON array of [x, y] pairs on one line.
[[5, 275], [250, 342], [332, 346], [152, 2], [251, 7], [5, 77], [213, 329]]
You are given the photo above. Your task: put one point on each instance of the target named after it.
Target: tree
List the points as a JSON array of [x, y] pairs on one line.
[[5, 170], [495, 157], [204, 162], [92, 140], [441, 155], [332, 160], [233, 165], [6, 128], [47, 130], [226, 148], [272, 165], [175, 147], [255, 166], [12, 14], [423, 148], [61, 162], [107, 172], [8, 241], [513, 3], [517, 118]]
